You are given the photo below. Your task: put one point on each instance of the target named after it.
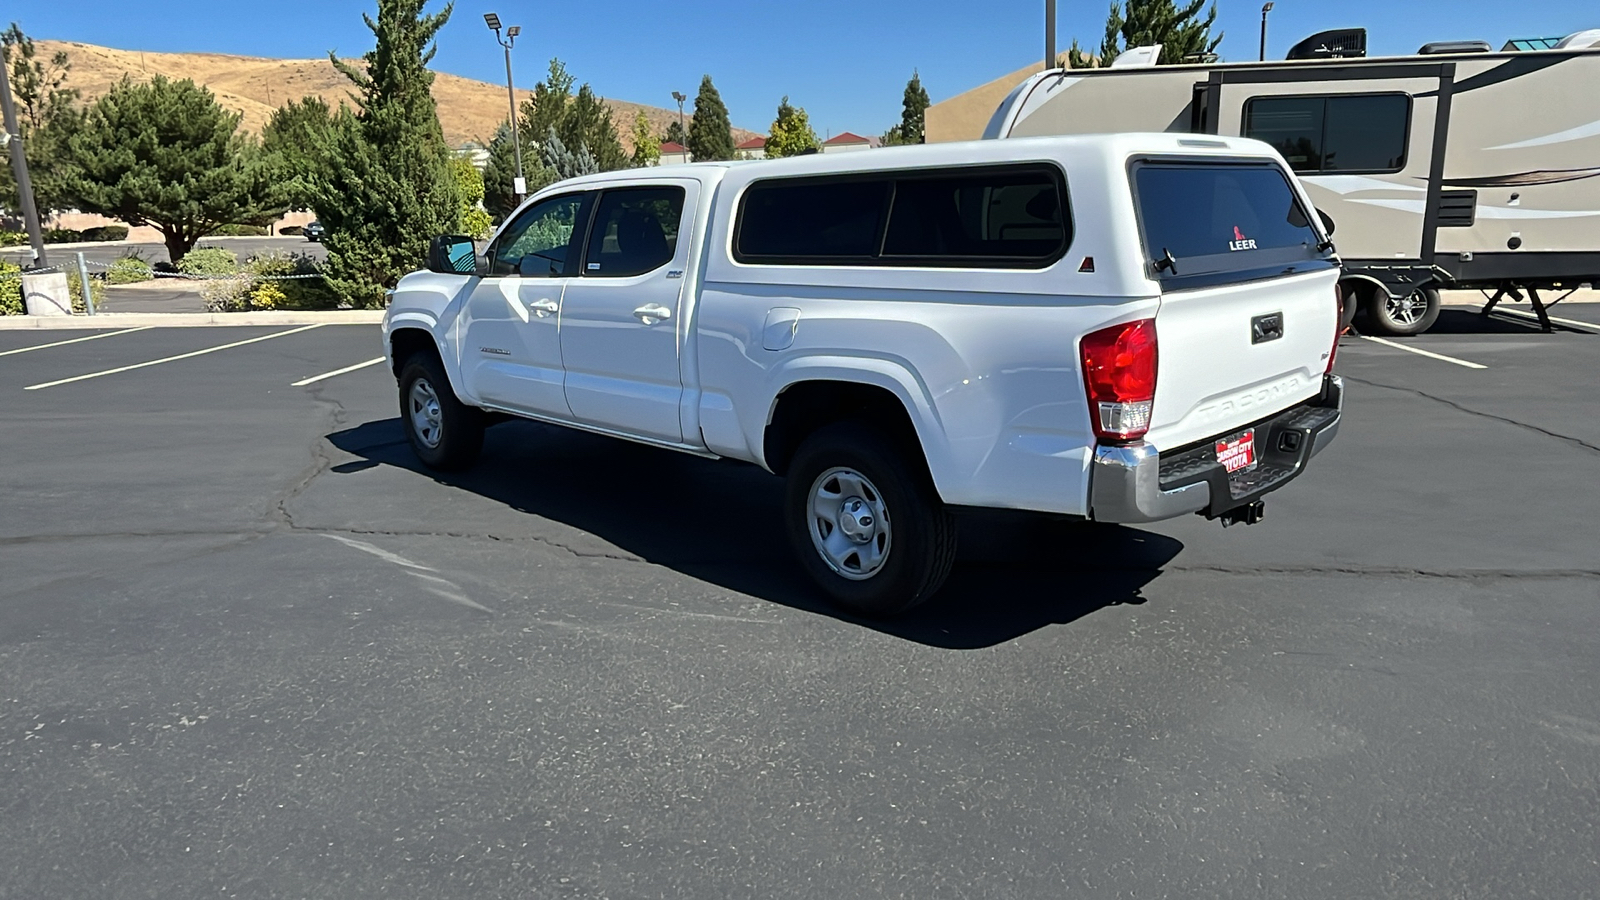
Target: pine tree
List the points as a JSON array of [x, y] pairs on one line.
[[563, 162], [45, 114], [385, 186], [291, 139], [581, 120], [791, 132], [499, 184], [710, 132], [913, 113], [675, 134], [646, 148], [548, 107], [166, 154], [1180, 32]]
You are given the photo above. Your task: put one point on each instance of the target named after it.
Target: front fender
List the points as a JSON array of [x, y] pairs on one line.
[[432, 303]]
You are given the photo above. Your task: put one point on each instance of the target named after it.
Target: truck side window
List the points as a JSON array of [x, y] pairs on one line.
[[635, 231], [1334, 133], [536, 243]]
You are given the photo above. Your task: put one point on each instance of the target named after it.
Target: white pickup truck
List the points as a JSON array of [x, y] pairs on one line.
[[1121, 328]]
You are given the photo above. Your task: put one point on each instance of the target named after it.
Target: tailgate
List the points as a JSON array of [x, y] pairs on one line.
[[1219, 368], [1248, 308]]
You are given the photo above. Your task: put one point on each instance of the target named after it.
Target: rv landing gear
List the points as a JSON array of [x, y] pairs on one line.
[[1540, 308]]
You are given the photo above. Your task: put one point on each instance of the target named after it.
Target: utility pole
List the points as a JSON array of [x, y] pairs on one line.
[[1049, 34], [1264, 10], [680, 97], [520, 186], [19, 165]]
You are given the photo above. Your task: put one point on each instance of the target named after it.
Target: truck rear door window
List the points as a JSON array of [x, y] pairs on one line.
[[1223, 221], [1336, 133]]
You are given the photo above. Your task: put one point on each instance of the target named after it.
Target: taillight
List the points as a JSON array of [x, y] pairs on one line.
[[1338, 326], [1119, 370]]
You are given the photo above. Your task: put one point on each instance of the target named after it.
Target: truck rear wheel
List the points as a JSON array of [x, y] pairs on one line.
[[1413, 313], [866, 522], [445, 433]]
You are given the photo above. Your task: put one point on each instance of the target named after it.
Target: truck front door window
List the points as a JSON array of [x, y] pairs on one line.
[[537, 243]]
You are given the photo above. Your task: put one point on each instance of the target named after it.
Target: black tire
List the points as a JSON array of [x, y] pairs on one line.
[[458, 437], [1350, 304], [917, 532], [1412, 314]]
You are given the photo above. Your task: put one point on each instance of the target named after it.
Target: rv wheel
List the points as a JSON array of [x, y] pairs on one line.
[[1413, 313]]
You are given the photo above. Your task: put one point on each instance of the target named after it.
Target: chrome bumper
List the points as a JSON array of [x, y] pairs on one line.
[[1126, 483]]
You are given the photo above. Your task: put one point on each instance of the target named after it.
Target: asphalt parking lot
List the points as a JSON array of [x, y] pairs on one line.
[[249, 648]]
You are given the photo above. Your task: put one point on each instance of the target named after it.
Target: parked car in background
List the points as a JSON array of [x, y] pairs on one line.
[[314, 231], [1120, 328]]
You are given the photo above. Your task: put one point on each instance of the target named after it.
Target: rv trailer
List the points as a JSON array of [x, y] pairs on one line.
[[1454, 167]]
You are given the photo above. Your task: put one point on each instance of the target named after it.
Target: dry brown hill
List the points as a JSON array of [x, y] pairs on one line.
[[468, 110]]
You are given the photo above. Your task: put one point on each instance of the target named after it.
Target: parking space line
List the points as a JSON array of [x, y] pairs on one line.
[[1519, 315], [1421, 352], [316, 378], [167, 359], [92, 337]]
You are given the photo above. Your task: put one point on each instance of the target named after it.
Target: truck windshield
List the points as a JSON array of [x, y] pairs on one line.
[[1214, 223]]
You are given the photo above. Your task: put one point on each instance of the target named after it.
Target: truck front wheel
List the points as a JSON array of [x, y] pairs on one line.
[[866, 522], [445, 433]]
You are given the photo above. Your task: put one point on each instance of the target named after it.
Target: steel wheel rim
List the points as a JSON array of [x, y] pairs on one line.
[[849, 523], [427, 419], [1407, 310]]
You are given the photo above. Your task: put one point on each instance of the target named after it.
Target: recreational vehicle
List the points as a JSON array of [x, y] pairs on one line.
[[1454, 167]]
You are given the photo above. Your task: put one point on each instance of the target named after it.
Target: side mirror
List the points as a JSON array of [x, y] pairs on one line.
[[453, 254], [1327, 223]]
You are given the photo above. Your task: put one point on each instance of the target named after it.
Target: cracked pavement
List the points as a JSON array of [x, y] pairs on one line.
[[248, 647]]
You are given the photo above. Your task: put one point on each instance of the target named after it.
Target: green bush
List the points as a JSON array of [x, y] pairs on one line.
[[241, 231], [129, 270], [209, 261], [62, 236], [12, 238], [106, 233], [291, 293], [97, 290], [10, 289], [290, 230]]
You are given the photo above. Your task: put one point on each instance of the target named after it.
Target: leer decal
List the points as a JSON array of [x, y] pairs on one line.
[[1240, 242]]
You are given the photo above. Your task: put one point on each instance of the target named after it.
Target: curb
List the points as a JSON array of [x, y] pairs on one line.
[[192, 320]]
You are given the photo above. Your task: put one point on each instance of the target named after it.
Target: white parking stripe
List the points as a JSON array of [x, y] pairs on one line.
[[92, 337], [316, 378], [157, 362], [1589, 327], [1421, 352]]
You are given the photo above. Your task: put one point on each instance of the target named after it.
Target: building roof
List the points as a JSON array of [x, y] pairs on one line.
[[756, 143], [845, 137], [673, 147]]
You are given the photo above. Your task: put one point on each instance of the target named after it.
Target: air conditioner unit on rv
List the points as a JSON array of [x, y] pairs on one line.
[[1340, 43]]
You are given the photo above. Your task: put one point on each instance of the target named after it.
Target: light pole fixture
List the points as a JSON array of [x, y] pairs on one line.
[[1264, 10], [519, 187], [680, 97]]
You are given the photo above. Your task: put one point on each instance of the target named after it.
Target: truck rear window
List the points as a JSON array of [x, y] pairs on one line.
[[1210, 223]]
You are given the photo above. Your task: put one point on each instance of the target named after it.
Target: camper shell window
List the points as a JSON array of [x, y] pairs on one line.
[[1013, 216], [1344, 133], [1209, 223]]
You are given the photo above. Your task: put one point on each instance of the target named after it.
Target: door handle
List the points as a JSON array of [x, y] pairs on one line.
[[542, 308], [650, 313]]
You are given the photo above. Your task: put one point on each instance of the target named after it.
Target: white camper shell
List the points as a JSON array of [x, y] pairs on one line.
[[1477, 170]]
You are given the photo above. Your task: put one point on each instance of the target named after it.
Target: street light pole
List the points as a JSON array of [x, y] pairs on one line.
[[19, 166], [682, 131], [1049, 34], [520, 186], [1264, 10]]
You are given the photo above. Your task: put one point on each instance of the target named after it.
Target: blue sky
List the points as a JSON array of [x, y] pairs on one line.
[[845, 61]]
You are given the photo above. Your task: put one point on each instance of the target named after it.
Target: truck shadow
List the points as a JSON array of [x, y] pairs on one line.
[[720, 522]]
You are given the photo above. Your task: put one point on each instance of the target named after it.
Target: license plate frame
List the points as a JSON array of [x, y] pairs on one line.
[[1237, 452]]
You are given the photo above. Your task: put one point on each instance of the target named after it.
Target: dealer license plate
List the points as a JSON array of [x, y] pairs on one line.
[[1238, 452]]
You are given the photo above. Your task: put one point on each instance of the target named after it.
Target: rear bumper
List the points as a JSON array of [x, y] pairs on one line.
[[1136, 483]]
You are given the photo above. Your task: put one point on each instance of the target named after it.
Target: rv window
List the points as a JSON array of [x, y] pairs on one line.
[[1222, 221], [1004, 216], [1338, 133]]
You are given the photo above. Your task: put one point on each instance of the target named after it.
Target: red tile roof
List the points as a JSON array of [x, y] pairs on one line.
[[673, 147], [755, 143], [845, 137]]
